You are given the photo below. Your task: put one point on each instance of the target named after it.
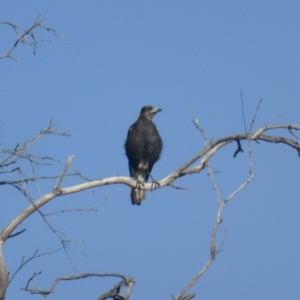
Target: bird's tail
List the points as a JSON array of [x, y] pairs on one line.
[[137, 196]]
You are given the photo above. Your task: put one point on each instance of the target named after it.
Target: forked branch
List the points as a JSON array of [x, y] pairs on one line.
[[195, 165], [186, 169], [27, 36], [113, 293]]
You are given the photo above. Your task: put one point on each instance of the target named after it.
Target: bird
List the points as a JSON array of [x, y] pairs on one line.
[[143, 147]]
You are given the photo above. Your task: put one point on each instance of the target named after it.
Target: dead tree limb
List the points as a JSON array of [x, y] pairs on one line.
[[27, 36], [186, 169], [201, 161], [114, 292]]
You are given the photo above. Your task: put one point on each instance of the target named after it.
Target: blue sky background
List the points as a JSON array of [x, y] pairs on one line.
[[181, 56]]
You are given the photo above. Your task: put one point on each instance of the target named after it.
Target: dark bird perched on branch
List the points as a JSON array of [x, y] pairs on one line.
[[143, 147]]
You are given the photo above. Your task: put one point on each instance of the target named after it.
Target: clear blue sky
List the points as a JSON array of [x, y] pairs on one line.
[[179, 56]]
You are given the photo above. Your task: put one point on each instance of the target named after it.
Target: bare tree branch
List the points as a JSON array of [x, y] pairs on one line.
[[94, 208], [17, 233], [114, 293], [255, 115], [214, 251], [243, 113], [3, 275], [128, 281], [205, 154], [194, 165], [62, 176], [32, 277], [11, 156], [239, 149], [24, 262], [27, 36]]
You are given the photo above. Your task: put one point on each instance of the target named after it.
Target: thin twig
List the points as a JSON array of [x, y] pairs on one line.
[[31, 278], [95, 208], [23, 36], [255, 115], [76, 277], [67, 166], [24, 262], [17, 233], [214, 251], [243, 113]]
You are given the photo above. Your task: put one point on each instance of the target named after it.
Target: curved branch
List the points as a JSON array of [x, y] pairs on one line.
[[3, 276], [125, 279], [185, 169]]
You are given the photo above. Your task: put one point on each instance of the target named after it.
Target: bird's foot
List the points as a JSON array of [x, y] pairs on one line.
[[139, 184], [155, 184]]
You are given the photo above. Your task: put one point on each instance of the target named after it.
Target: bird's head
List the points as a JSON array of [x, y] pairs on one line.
[[149, 111]]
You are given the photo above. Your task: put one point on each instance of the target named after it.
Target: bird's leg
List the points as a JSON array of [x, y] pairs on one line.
[[155, 183], [139, 183]]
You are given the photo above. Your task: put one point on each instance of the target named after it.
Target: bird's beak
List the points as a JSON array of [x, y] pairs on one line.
[[156, 110]]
